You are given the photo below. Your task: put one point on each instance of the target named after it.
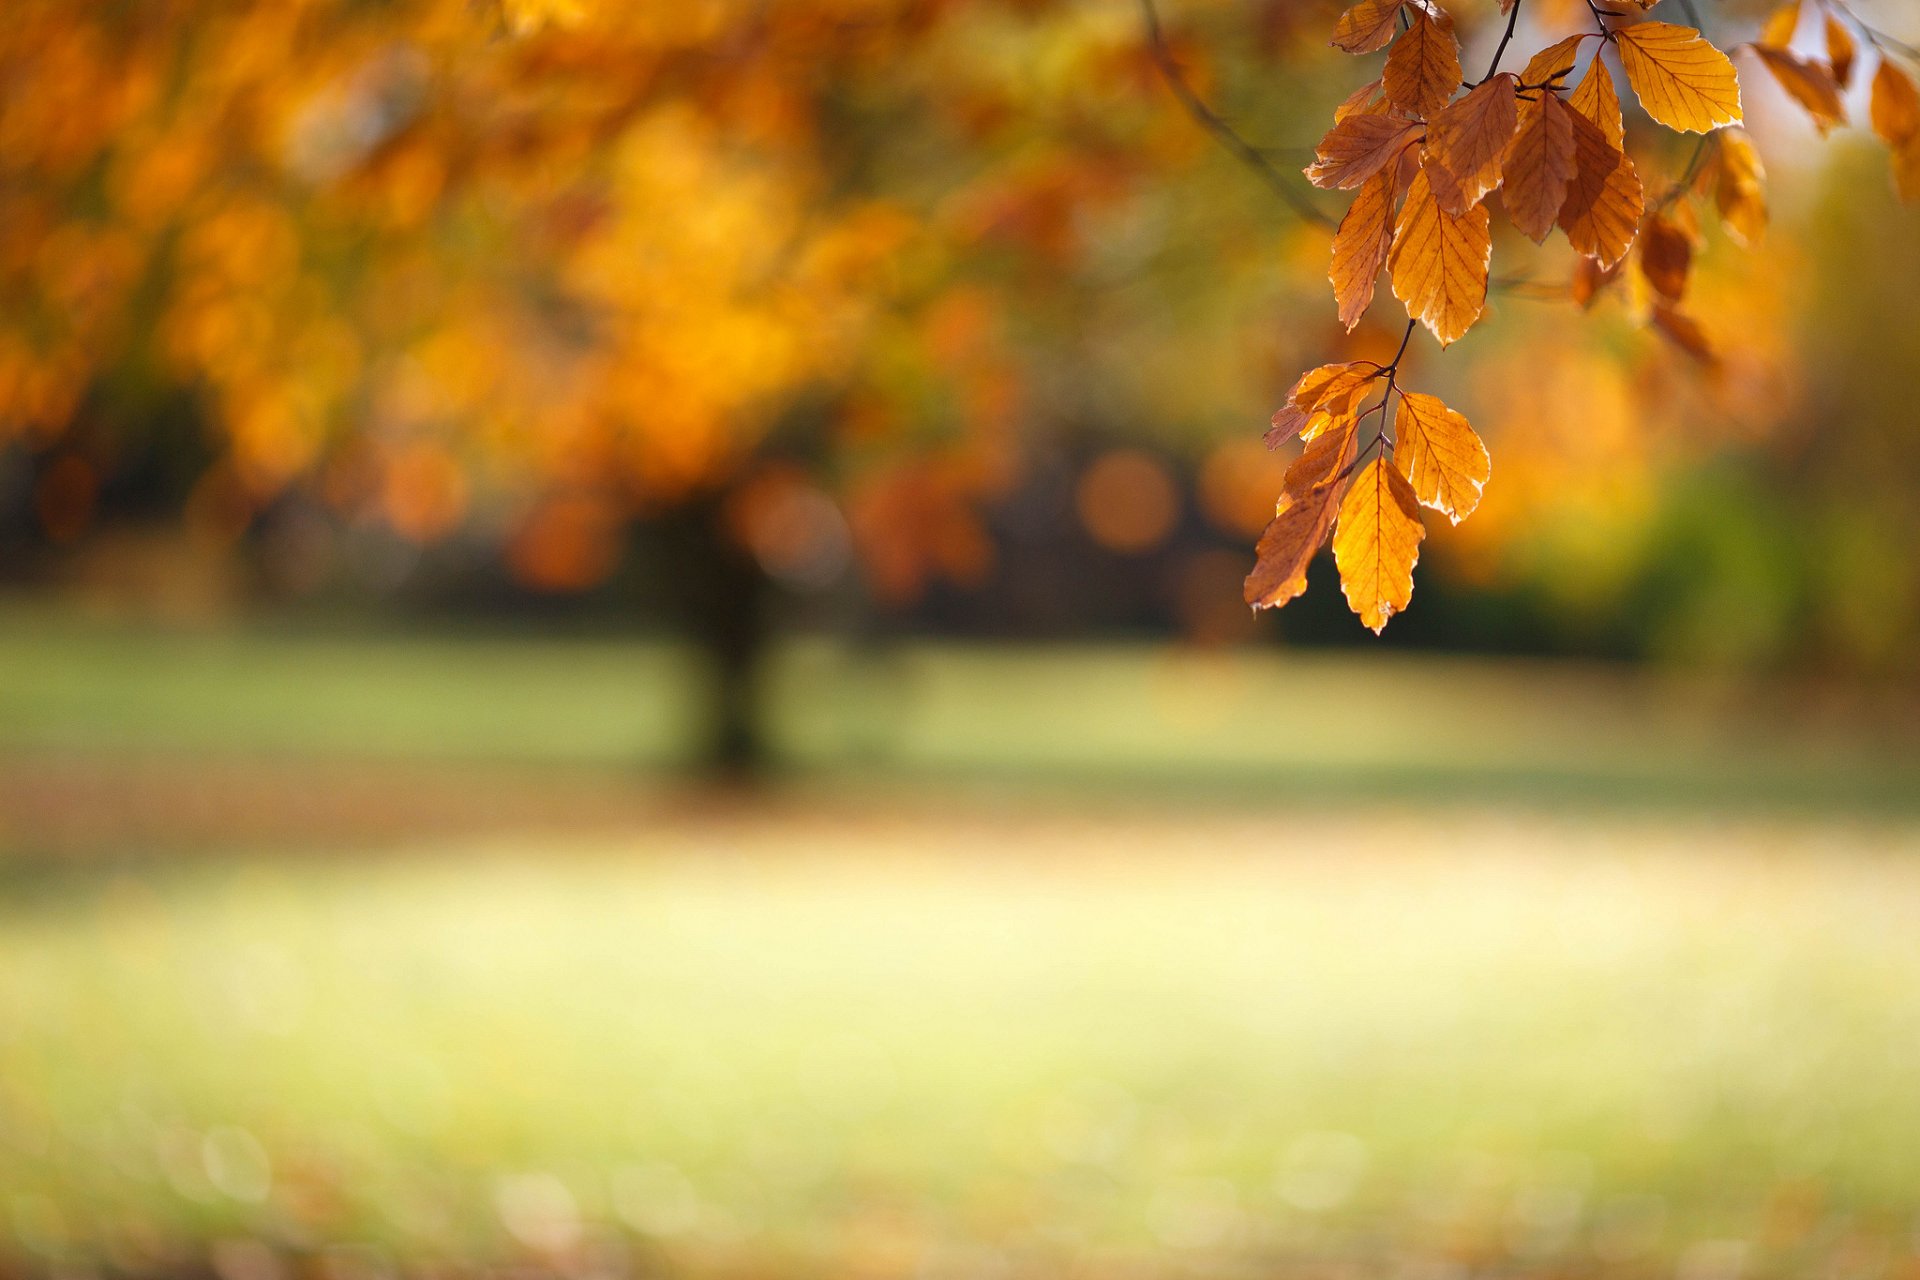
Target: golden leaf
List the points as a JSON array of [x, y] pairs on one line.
[[1467, 141], [1423, 68], [1360, 247], [1599, 101], [1555, 62], [1604, 200], [1441, 456], [1439, 262], [1781, 24], [1740, 189], [1539, 166], [1809, 83], [1321, 396], [1358, 147], [1367, 26], [1683, 81], [1377, 544], [1309, 497]]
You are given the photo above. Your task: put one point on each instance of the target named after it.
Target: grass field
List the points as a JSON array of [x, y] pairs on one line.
[[1395, 1011]]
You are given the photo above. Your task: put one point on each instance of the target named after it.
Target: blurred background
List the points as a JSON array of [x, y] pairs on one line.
[[621, 654]]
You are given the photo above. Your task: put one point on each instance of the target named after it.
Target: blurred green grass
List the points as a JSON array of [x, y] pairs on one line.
[[949, 1045]]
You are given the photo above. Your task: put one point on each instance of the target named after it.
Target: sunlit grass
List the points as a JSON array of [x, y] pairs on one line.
[[938, 1043]]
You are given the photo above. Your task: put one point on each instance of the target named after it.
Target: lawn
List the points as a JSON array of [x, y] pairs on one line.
[[1085, 962]]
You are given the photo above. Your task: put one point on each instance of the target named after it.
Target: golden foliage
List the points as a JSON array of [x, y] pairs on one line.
[[1377, 544]]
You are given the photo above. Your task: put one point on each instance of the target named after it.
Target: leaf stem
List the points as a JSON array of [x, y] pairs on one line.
[[1222, 132]]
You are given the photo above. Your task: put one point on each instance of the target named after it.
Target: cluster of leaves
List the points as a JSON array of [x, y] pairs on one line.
[[1426, 153]]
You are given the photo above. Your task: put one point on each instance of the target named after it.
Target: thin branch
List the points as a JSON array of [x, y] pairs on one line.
[[1223, 133], [1513, 20]]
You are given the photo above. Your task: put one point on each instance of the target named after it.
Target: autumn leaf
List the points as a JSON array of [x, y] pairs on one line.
[[1666, 256], [1360, 247], [1604, 199], [1740, 188], [1467, 141], [1539, 166], [1441, 456], [1685, 332], [1439, 262], [1894, 109], [1321, 397], [1809, 83], [1377, 543], [1781, 24], [1358, 147], [1423, 68], [1309, 499], [1683, 81], [1599, 101], [1367, 26], [1841, 51], [1555, 62], [1360, 99]]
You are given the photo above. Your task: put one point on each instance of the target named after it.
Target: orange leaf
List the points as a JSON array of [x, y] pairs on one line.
[[1683, 81], [1539, 166], [1781, 24], [1841, 51], [1367, 26], [1439, 262], [1599, 101], [1423, 68], [1357, 148], [1378, 543], [1309, 497], [1320, 398], [1604, 200], [1467, 141], [1555, 62], [1741, 187], [1360, 247], [1809, 83], [1895, 107], [1441, 456]]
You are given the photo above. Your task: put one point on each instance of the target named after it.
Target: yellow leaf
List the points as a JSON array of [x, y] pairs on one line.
[[1683, 81], [1599, 101], [1439, 262], [1809, 83], [1895, 107], [1467, 141], [1781, 24], [1358, 147], [1360, 248], [1423, 68], [1309, 498], [1539, 166], [1441, 456], [1367, 26], [1604, 200], [1741, 187], [1378, 543]]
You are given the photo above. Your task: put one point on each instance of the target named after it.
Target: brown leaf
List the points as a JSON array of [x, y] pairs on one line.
[[1740, 188], [1539, 166], [1467, 142], [1377, 543], [1810, 84], [1841, 51], [1666, 255], [1361, 99], [1309, 498], [1685, 332], [1367, 26], [1682, 80], [1441, 456], [1360, 247], [1423, 68], [1604, 200], [1357, 148], [1439, 262]]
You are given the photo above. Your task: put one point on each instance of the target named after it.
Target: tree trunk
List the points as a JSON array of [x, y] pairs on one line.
[[725, 603]]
